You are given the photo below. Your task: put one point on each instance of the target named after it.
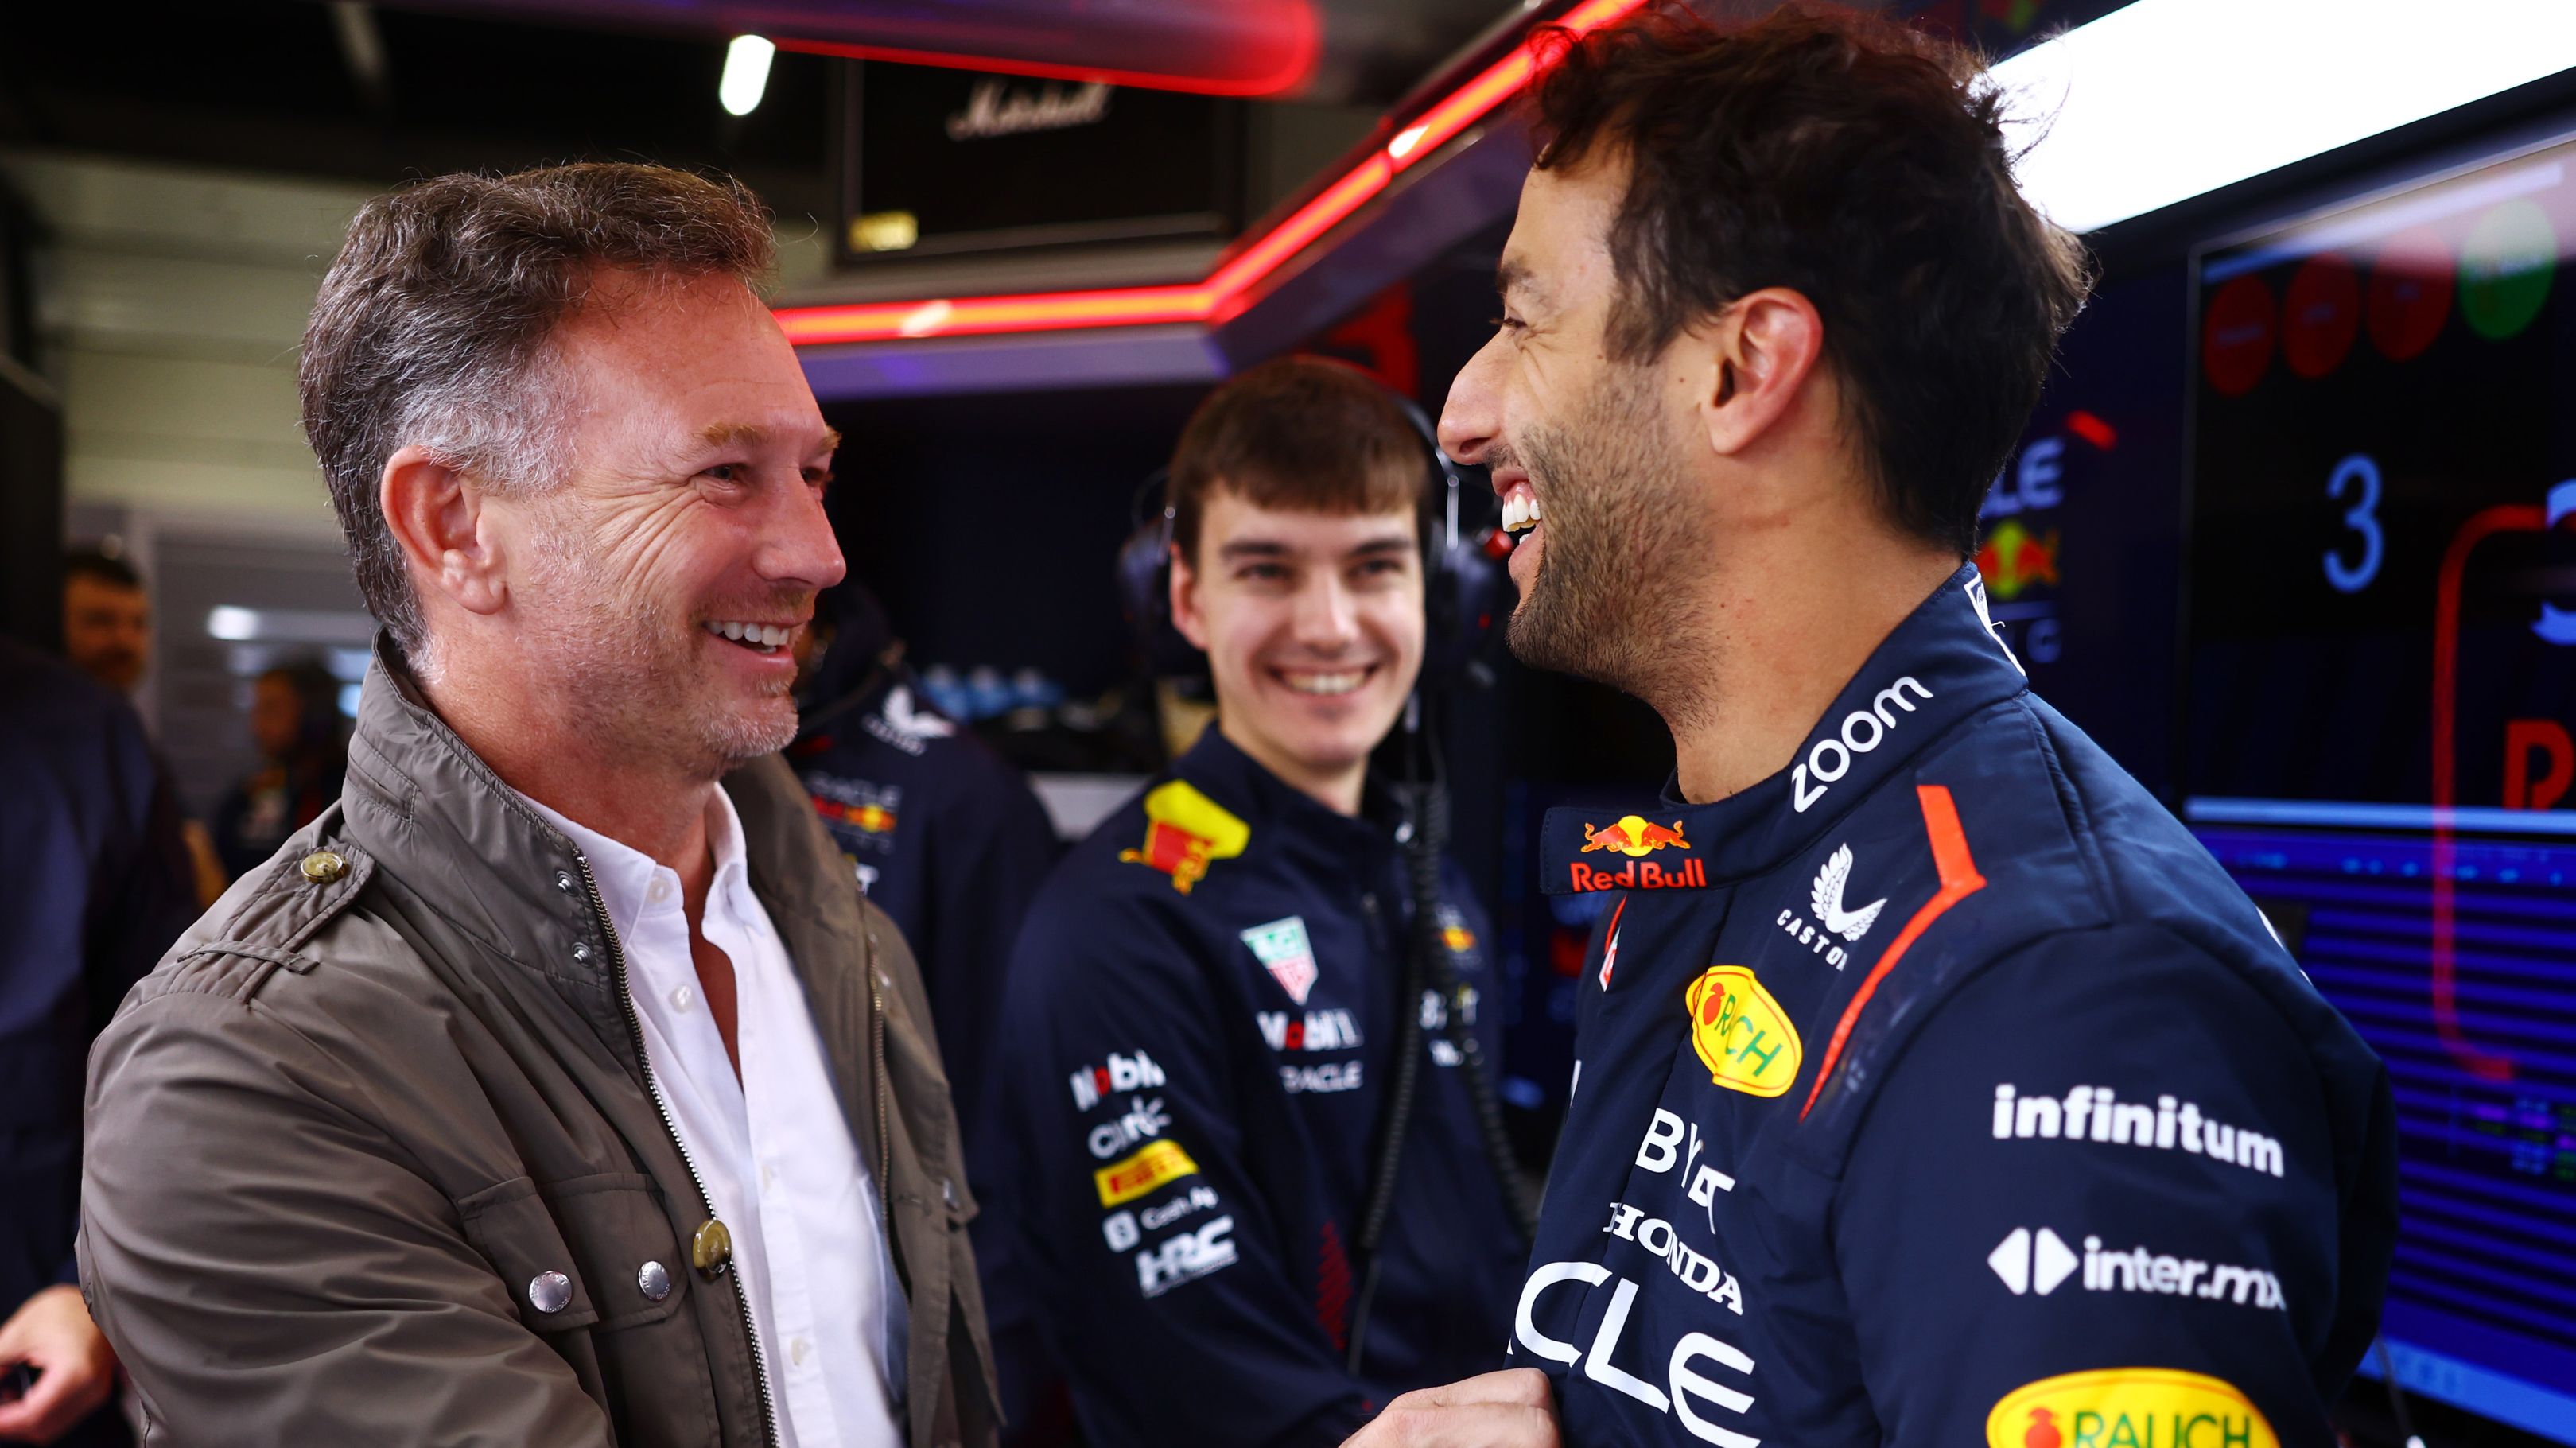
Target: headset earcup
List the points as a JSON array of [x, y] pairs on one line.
[[1466, 596], [1145, 597]]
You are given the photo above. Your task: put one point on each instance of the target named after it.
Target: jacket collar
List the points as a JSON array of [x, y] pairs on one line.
[[1220, 769], [1942, 664], [436, 817]]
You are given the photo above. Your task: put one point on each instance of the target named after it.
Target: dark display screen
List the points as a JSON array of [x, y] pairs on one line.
[[980, 162], [2381, 607]]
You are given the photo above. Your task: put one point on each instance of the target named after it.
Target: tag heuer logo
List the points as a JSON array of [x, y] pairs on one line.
[[1281, 948]]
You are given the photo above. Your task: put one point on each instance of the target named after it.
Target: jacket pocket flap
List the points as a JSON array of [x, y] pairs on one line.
[[510, 1224], [621, 1233]]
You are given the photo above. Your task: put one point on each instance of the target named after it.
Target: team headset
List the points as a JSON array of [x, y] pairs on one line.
[[1462, 595]]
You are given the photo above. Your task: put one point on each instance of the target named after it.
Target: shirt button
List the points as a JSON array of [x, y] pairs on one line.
[[768, 1177], [798, 1349], [659, 891], [682, 998]]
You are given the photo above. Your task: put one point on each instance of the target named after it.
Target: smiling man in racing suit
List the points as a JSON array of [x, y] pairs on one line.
[[1205, 1007], [1934, 1086]]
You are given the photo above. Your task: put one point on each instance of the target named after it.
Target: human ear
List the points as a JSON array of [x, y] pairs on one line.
[[1758, 354], [437, 516]]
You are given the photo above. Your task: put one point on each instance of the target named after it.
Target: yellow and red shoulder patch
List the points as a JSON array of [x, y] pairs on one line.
[[1184, 832]]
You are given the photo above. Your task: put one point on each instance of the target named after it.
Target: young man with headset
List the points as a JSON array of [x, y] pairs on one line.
[[1207, 1014]]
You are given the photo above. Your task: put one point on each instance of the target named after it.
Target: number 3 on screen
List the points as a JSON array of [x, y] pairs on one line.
[[2354, 577]]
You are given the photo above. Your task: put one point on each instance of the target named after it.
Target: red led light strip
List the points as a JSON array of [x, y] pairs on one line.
[[1225, 292], [1287, 75]]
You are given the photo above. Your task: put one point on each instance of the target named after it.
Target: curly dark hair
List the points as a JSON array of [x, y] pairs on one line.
[[431, 326], [1861, 164]]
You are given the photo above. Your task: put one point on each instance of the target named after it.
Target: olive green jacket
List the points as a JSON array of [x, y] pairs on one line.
[[393, 1078]]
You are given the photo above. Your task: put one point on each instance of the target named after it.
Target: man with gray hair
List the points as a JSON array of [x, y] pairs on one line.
[[556, 1086]]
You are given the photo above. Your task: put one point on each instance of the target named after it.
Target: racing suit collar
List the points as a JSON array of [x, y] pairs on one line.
[[1943, 663], [1234, 779]]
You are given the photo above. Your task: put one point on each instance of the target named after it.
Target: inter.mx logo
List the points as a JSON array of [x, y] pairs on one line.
[[1826, 895], [2037, 1263], [1123, 1073]]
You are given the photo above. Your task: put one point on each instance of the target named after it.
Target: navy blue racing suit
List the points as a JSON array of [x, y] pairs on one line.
[[1942, 1090], [1202, 1017]]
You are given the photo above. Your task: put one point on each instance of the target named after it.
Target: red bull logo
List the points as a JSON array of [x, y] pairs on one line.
[[1638, 875], [1632, 836], [2015, 559], [1185, 831], [870, 818]]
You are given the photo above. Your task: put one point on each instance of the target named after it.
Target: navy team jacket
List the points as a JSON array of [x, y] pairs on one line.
[[1942, 1090], [1200, 1020]]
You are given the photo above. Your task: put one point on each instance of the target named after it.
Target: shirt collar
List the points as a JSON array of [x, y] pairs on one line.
[[626, 875], [1943, 663]]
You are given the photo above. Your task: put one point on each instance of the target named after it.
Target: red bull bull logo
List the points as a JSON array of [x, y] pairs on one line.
[[1632, 836], [871, 818], [1635, 838], [1185, 831], [2015, 559]]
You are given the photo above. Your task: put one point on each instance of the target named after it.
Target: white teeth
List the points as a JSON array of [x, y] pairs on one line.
[[765, 635], [1324, 683], [1521, 512]]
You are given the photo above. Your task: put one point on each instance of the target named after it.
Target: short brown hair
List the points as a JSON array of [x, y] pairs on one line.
[[431, 326], [1302, 434], [1861, 164]]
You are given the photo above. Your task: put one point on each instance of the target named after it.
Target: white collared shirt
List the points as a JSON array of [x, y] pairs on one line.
[[780, 1167]]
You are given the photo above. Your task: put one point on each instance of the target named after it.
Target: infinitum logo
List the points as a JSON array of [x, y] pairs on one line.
[[2092, 1113]]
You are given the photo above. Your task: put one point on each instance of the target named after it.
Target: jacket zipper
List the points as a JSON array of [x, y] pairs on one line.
[[635, 1034]]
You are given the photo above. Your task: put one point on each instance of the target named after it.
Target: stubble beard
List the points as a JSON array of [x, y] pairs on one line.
[[632, 684], [1613, 598]]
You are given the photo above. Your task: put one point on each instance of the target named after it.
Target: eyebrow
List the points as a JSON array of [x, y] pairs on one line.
[[1513, 275], [752, 434], [1249, 548]]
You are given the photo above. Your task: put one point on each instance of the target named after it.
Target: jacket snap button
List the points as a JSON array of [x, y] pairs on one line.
[[654, 1280], [550, 1292], [322, 867], [711, 1248], [581, 952], [563, 881]]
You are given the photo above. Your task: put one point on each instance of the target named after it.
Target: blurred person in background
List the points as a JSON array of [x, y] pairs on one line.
[[107, 634], [295, 720], [94, 885], [107, 619], [943, 835], [557, 1086], [1207, 1002]]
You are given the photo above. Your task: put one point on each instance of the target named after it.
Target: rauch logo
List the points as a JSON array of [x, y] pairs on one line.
[[2163, 1406]]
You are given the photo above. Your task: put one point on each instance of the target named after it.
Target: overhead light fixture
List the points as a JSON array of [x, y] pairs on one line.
[[1228, 289], [746, 74], [2163, 100]]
